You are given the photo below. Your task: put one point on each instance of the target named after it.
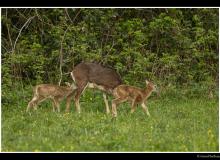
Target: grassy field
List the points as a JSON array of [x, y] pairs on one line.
[[176, 124]]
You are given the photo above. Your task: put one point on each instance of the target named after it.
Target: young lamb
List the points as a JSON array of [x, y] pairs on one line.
[[49, 91], [133, 94]]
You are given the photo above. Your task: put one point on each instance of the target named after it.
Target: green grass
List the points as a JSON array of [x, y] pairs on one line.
[[176, 124]]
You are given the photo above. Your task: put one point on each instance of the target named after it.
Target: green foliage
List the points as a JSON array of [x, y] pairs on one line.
[[169, 46]]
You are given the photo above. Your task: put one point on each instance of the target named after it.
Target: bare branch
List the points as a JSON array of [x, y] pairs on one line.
[[76, 15], [9, 35], [66, 73], [61, 55], [38, 15], [21, 31], [41, 19], [22, 15], [61, 47], [68, 15]]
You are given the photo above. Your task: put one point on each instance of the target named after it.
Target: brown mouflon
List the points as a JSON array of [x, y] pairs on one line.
[[133, 94]]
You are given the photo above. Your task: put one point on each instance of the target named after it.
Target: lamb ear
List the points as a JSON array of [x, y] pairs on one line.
[[68, 84], [147, 81], [73, 85]]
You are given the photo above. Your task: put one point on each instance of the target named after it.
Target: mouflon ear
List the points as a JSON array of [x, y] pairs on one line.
[[73, 85], [68, 84], [147, 82]]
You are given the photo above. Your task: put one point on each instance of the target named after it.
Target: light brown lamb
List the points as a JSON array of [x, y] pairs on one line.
[[50, 91], [133, 94]]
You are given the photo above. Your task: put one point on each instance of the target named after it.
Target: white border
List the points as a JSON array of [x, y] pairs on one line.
[[106, 151], [1, 81]]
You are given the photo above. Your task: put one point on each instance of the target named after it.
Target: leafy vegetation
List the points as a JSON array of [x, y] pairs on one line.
[[177, 49], [176, 46]]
